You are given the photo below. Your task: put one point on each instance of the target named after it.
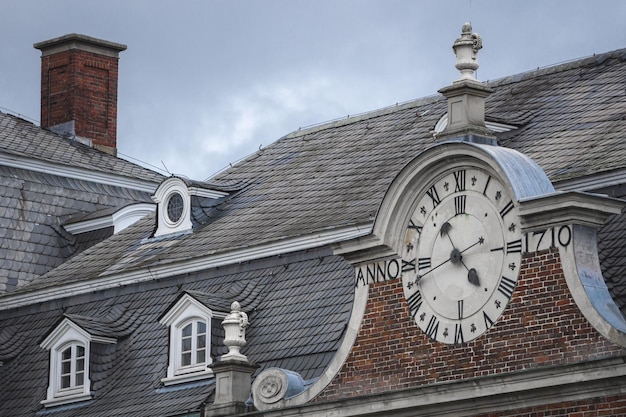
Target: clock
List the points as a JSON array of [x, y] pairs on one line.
[[461, 253]]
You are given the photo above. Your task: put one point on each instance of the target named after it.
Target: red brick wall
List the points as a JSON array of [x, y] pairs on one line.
[[613, 406], [542, 326], [81, 86]]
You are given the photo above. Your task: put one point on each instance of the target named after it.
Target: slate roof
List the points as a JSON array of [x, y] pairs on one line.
[[21, 138], [570, 120], [297, 325], [34, 204]]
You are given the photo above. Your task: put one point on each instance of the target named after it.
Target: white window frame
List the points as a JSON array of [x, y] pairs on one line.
[[162, 196], [68, 335], [187, 310]]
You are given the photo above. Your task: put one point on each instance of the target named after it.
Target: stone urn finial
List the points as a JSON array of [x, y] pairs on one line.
[[466, 50], [235, 325]]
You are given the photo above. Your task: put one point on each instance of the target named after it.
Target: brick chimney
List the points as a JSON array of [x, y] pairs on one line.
[[79, 89]]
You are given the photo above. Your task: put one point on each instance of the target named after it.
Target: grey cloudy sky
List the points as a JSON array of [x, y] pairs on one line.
[[205, 83]]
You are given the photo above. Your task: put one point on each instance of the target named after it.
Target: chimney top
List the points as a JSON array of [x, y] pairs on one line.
[[82, 42], [79, 89]]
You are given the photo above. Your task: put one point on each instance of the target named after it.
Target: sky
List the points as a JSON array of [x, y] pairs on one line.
[[206, 83]]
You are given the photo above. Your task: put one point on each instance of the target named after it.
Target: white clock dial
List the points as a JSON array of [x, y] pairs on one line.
[[461, 255]]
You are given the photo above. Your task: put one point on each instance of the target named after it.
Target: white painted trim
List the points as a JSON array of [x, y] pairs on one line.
[[68, 399], [89, 225], [76, 173], [296, 244], [169, 188], [128, 215], [66, 334], [206, 193], [593, 182], [187, 309], [180, 379], [120, 220]]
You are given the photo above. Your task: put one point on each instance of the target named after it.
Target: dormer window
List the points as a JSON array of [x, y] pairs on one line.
[[174, 199], [189, 323], [69, 347], [174, 207]]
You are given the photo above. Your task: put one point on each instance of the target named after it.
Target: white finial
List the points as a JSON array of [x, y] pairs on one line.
[[235, 325], [466, 50]]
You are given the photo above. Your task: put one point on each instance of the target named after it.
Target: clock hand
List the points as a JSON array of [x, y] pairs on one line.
[[481, 240], [445, 228], [419, 277], [472, 277]]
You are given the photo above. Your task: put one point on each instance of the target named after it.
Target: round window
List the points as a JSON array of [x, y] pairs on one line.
[[175, 207]]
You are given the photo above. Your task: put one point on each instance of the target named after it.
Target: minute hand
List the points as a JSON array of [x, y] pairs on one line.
[[432, 269], [481, 240]]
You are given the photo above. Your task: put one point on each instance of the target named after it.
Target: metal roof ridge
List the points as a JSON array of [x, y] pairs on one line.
[[362, 116], [554, 68]]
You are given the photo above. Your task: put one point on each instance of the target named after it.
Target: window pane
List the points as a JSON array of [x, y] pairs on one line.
[[65, 367], [186, 345], [80, 352], [65, 381], [201, 327], [201, 341], [67, 353], [200, 356], [185, 359], [187, 330], [80, 378], [80, 365]]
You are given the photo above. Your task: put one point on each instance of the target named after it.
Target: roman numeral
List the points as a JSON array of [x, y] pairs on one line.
[[459, 179], [458, 334], [506, 287], [423, 263], [487, 319], [459, 204], [408, 265], [506, 209], [514, 246], [433, 327], [459, 305], [432, 193], [486, 185], [415, 227], [415, 302]]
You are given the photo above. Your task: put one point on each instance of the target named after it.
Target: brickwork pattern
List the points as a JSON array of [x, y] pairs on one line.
[[81, 86], [542, 326], [610, 406]]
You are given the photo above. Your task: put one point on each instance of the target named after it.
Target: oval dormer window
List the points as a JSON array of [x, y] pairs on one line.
[[175, 207]]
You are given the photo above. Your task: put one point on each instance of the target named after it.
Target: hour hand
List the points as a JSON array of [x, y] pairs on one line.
[[472, 277], [445, 228]]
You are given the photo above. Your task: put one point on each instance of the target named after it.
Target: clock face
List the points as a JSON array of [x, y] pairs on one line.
[[461, 255]]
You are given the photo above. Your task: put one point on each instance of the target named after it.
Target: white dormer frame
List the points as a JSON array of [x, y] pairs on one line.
[[68, 335], [187, 310], [120, 220], [169, 190]]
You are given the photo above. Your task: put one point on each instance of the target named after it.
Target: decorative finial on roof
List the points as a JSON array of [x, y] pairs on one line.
[[466, 96], [466, 50], [235, 325]]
